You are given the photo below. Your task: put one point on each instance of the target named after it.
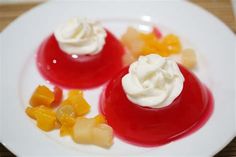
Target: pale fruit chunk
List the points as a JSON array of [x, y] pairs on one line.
[[102, 135], [136, 47], [82, 130], [128, 58], [131, 39], [65, 111], [130, 34], [92, 131], [189, 58]]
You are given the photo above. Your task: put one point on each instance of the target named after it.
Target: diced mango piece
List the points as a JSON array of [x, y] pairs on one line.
[[172, 43], [67, 121], [45, 117], [42, 96], [65, 131], [149, 37], [45, 122], [80, 105], [100, 119], [75, 93], [30, 111], [66, 102], [189, 58], [44, 109], [67, 124], [102, 135]]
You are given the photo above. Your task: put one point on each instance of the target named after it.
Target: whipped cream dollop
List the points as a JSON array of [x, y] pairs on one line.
[[80, 36], [153, 81]]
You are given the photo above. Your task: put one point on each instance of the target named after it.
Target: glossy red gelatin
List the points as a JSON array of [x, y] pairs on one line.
[[153, 127], [79, 71]]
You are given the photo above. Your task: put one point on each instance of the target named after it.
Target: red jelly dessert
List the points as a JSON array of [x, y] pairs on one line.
[[79, 71], [156, 126]]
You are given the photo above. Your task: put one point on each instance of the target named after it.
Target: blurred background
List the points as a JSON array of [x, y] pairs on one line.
[[225, 10], [19, 1]]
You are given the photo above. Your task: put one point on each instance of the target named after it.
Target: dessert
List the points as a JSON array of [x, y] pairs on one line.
[[151, 102], [155, 101], [80, 54]]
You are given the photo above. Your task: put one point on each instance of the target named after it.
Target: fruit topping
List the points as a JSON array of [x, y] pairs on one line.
[[68, 115], [189, 58], [42, 96], [90, 131]]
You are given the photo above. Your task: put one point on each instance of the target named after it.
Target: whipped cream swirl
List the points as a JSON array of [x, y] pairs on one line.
[[153, 81], [80, 36]]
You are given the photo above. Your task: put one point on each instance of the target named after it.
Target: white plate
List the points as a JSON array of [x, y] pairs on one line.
[[214, 42]]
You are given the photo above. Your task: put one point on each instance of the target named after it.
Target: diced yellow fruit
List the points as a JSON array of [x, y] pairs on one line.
[[65, 130], [44, 109], [65, 112], [75, 92], [102, 135], [42, 96], [189, 58], [82, 130], [80, 105], [30, 111], [149, 37], [172, 43], [46, 120], [66, 102], [67, 121], [100, 119], [45, 117]]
